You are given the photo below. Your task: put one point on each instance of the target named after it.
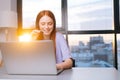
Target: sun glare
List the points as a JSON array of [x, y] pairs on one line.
[[25, 37]]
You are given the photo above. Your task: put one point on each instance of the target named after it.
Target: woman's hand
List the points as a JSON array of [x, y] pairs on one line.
[[67, 64], [59, 66], [35, 34]]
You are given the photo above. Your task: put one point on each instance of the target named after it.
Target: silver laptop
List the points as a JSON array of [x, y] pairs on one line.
[[36, 57]]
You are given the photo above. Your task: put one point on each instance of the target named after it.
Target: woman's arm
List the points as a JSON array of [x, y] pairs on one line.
[[67, 64], [63, 53]]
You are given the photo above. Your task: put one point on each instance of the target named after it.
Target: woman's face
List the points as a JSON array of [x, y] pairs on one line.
[[46, 25]]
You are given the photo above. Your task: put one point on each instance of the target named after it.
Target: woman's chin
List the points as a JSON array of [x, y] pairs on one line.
[[47, 34]]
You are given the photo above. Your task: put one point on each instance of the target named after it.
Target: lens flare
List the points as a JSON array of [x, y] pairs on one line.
[[25, 38]]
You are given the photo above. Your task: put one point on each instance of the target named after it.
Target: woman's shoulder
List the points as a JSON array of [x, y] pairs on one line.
[[59, 34]]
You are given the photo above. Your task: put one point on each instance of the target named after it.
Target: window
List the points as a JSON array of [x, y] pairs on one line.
[[92, 24], [96, 18], [118, 50], [95, 50], [90, 15], [30, 9]]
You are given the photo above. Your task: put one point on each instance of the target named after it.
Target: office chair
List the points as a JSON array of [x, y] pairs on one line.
[[73, 62]]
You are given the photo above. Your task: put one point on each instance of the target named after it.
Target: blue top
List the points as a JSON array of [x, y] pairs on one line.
[[62, 49]]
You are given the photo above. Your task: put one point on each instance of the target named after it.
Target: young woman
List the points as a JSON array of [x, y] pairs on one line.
[[46, 30]]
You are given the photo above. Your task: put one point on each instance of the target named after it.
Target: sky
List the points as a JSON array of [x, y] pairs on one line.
[[30, 11], [87, 15]]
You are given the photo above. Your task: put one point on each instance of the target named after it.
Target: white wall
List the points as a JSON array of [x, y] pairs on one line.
[[7, 5], [8, 10]]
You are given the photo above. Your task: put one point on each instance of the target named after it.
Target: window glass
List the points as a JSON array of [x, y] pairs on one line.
[[118, 50], [30, 9], [95, 50], [90, 15]]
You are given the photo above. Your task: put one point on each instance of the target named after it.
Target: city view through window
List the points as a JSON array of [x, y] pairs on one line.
[[93, 51]]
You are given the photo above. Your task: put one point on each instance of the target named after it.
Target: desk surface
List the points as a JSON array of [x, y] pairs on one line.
[[71, 74]]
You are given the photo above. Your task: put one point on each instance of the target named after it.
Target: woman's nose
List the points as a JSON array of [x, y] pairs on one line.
[[46, 25]]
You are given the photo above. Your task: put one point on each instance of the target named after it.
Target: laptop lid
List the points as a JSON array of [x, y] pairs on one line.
[[36, 57]]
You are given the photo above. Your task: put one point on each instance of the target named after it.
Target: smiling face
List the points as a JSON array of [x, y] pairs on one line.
[[46, 25]]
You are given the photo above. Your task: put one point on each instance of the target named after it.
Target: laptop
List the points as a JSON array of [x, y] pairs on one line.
[[35, 57]]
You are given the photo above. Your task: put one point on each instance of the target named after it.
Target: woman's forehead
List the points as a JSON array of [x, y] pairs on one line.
[[45, 19]]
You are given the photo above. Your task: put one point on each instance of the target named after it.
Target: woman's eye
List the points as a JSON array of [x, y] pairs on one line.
[[42, 23], [50, 23]]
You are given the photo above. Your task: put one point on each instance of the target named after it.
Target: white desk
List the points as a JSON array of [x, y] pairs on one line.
[[71, 74]]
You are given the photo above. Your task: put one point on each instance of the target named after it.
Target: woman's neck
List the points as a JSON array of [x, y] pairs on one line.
[[46, 37]]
